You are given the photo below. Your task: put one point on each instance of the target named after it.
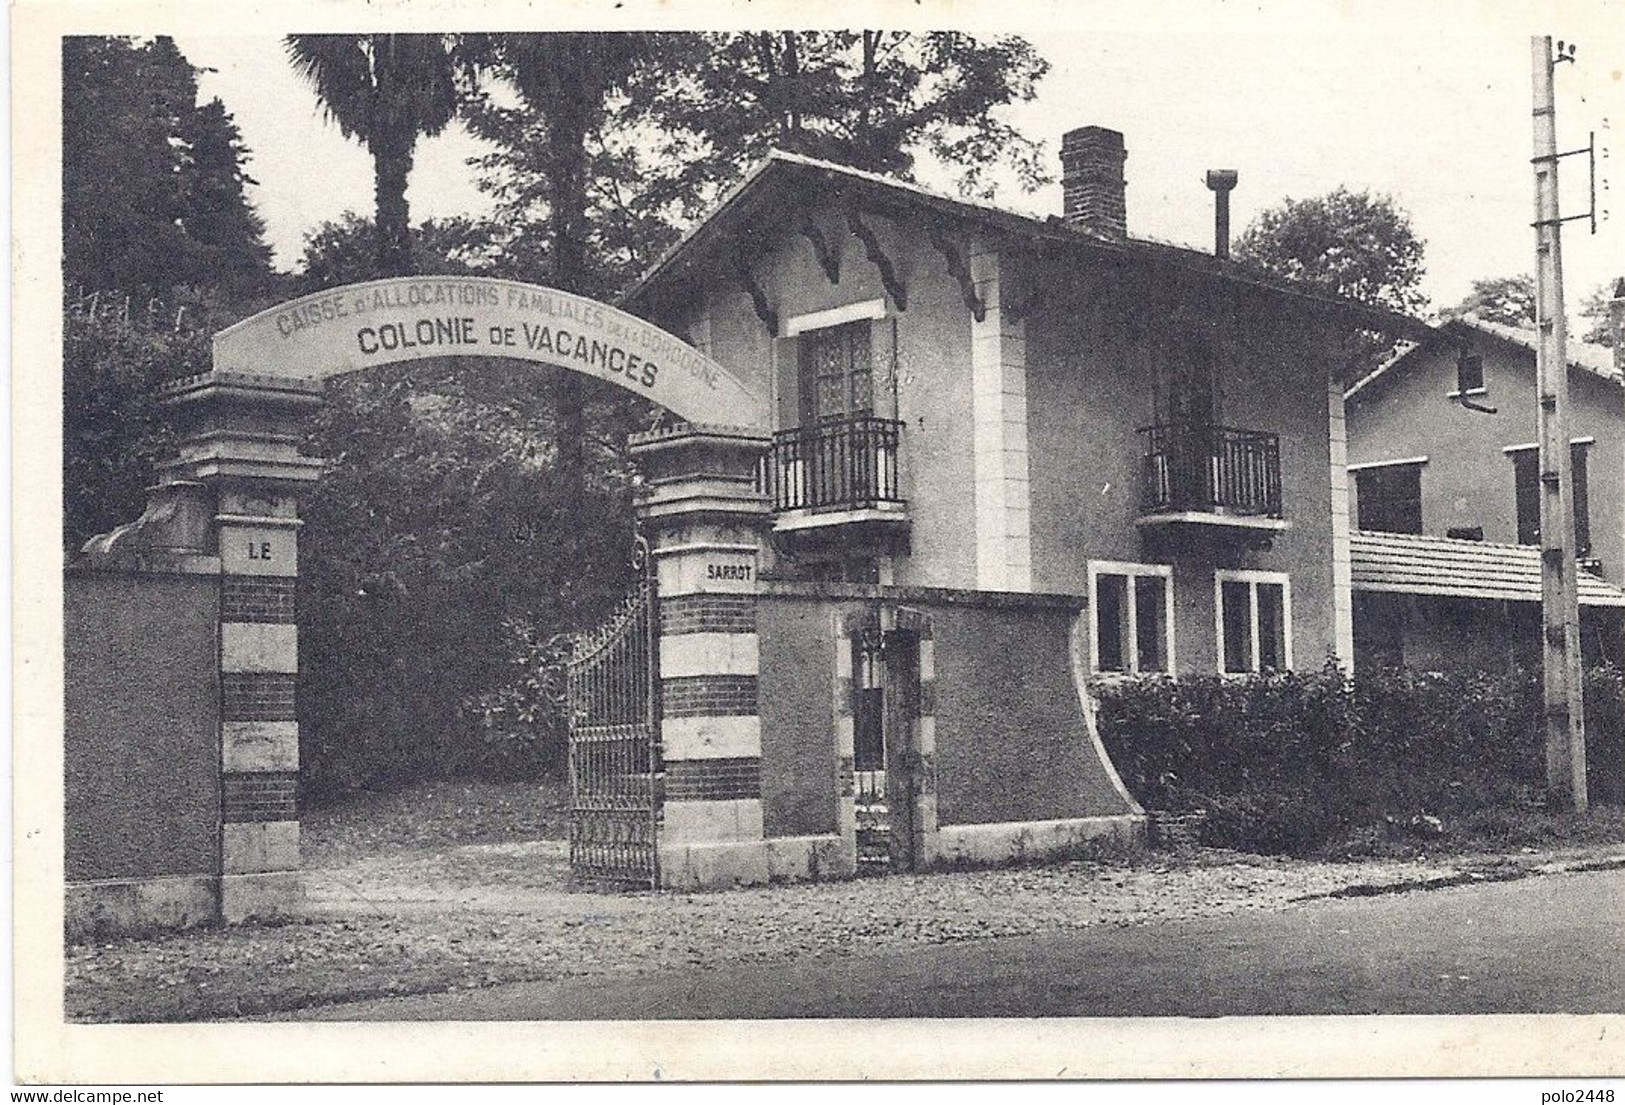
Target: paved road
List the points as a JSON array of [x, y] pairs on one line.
[[1551, 944]]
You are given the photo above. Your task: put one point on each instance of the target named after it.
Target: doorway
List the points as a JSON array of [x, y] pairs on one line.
[[885, 715]]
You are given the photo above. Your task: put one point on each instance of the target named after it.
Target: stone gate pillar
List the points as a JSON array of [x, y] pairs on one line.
[[239, 465], [705, 516]]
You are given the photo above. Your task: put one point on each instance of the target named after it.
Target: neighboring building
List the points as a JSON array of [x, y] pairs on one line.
[[1442, 460]]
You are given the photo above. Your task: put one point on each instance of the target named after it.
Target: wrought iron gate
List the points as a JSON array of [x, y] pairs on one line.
[[613, 683]]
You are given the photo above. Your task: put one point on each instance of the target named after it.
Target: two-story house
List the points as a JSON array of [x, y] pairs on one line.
[[970, 398], [1443, 462], [1015, 425]]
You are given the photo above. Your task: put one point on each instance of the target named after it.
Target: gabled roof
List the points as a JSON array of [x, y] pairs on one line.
[[1416, 564], [1583, 356], [786, 176]]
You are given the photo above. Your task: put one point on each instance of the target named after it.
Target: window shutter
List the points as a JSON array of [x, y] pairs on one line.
[[1582, 501], [1526, 489]]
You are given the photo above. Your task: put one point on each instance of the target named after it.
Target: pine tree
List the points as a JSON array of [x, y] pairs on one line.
[[153, 196], [228, 233]]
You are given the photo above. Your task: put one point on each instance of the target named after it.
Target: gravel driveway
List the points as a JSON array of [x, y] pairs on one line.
[[476, 915]]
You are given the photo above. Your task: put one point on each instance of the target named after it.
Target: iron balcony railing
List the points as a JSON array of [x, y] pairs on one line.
[[833, 465], [1212, 469]]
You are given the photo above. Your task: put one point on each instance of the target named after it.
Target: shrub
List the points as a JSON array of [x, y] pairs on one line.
[[1605, 734], [524, 720], [1293, 762]]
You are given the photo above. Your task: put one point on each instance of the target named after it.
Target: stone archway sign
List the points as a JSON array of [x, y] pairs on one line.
[[224, 517], [380, 322]]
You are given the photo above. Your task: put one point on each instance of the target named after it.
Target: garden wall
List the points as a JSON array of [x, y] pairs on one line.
[[1016, 767], [141, 747], [795, 702], [1012, 741]]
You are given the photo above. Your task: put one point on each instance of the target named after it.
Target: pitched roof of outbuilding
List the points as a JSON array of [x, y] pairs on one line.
[[1598, 360], [781, 170], [1417, 564]]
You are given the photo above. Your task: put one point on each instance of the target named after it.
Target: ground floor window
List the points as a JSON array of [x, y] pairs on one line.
[[1254, 621], [1526, 491], [1134, 617], [1388, 496]]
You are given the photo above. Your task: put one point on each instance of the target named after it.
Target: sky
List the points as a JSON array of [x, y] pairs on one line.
[[1430, 106]]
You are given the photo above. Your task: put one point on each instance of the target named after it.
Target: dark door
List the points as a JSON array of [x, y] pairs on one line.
[[869, 751], [885, 713], [837, 391], [1193, 401]]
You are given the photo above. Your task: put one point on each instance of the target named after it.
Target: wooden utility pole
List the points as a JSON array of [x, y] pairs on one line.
[[1560, 601]]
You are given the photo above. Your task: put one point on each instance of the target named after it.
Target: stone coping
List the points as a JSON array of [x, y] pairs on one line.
[[687, 431], [300, 390], [939, 596], [143, 562]]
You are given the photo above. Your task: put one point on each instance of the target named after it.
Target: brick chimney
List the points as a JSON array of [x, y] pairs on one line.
[[1092, 180]]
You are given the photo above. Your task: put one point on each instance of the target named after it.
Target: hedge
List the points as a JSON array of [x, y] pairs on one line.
[[1287, 763]]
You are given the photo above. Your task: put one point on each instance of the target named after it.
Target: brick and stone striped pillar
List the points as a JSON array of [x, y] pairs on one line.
[[239, 440], [704, 515]]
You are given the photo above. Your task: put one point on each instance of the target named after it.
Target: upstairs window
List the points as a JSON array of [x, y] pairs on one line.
[[1470, 374], [1134, 617], [1254, 621], [1388, 497], [1526, 490], [837, 373]]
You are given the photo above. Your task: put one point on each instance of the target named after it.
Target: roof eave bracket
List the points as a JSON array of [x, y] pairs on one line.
[[877, 257], [828, 253], [758, 298], [960, 271]]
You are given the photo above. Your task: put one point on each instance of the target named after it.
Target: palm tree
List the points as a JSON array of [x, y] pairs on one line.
[[384, 90]]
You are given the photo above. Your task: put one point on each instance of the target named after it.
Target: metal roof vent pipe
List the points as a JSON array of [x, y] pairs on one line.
[[1221, 181]]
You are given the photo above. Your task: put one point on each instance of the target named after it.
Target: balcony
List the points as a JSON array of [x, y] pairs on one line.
[[1213, 476], [835, 473]]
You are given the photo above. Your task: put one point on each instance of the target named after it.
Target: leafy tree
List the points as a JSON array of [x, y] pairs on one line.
[[1352, 243], [385, 90], [152, 183], [1508, 300], [113, 432], [875, 100], [442, 519], [345, 251], [1598, 327], [564, 80]]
